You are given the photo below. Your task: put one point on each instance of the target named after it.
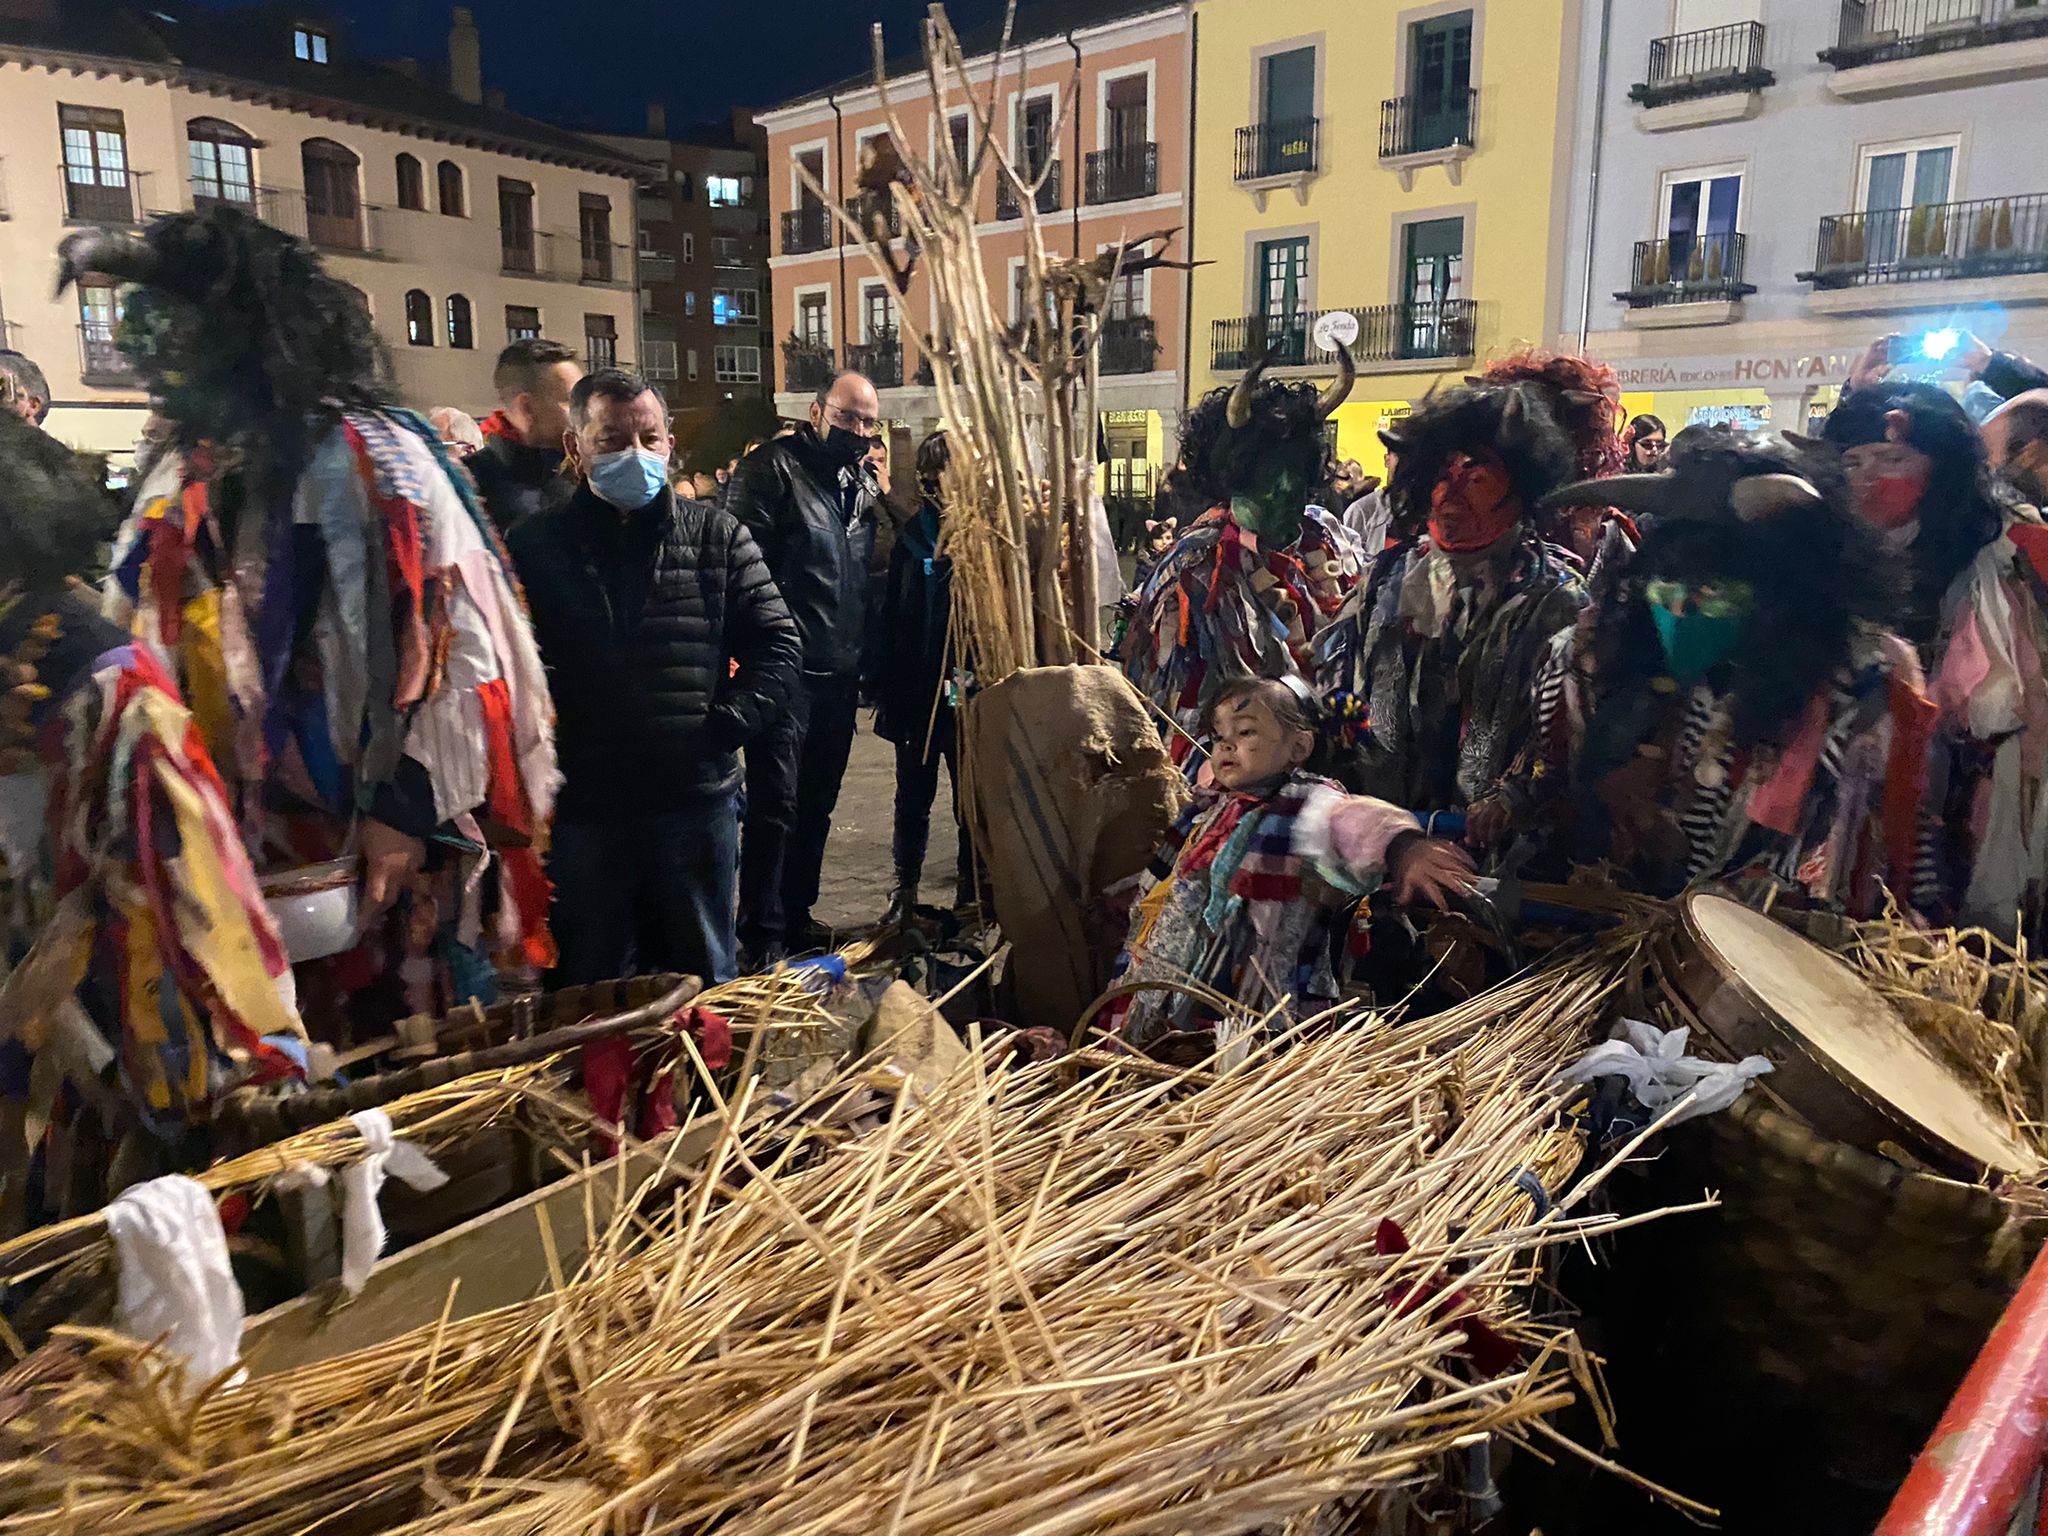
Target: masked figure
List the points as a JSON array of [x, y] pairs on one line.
[[1585, 399], [1433, 660], [142, 970], [319, 578], [1734, 709], [1973, 561], [1245, 590]]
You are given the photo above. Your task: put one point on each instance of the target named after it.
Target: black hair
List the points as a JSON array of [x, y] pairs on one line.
[[620, 384], [1513, 420], [933, 455], [1219, 461], [521, 364], [1963, 508], [1643, 425], [1290, 700]]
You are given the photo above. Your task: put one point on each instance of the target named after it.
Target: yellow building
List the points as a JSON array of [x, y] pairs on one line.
[[1409, 164]]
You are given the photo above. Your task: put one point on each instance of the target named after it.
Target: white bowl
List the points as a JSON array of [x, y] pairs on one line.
[[314, 907]]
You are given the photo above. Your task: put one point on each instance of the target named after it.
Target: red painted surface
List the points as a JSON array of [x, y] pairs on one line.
[[1984, 1453]]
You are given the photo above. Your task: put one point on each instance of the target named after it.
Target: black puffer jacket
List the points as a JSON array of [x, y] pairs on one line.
[[815, 523], [516, 481], [637, 615], [907, 664]]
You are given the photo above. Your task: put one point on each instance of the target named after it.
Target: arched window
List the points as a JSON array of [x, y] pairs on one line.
[[419, 318], [412, 184], [461, 330], [223, 163], [334, 205], [448, 182]]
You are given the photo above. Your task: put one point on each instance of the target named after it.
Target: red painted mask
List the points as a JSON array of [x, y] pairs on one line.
[[1471, 506]]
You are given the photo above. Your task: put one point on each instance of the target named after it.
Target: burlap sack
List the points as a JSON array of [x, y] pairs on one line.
[[1070, 793]]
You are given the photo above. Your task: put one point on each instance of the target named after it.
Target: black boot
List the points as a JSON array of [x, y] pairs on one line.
[[902, 907]]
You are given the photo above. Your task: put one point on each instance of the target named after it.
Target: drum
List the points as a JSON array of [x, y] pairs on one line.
[[1844, 1060]]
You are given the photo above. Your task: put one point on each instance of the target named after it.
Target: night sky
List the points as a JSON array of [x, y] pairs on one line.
[[596, 65]]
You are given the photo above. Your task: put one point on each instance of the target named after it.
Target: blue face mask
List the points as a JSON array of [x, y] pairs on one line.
[[628, 479]]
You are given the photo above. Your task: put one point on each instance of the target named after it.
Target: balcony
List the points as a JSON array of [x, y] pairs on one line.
[[1118, 174], [1991, 240], [657, 267], [563, 258], [1881, 32], [1686, 280], [108, 197], [880, 360], [1279, 151], [1695, 66], [1047, 200], [100, 362], [806, 229], [1387, 333], [859, 209], [359, 230], [1434, 130], [1129, 480], [807, 365], [1129, 345]]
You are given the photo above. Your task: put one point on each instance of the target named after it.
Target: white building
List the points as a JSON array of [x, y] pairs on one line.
[[463, 224]]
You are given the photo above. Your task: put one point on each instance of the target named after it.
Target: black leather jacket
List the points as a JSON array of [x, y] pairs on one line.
[[815, 523], [516, 481]]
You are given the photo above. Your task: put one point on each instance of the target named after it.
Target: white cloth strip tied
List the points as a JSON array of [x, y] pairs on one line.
[[362, 1223], [174, 1284], [1659, 1073]]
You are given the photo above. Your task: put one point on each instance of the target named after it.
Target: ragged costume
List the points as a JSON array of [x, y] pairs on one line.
[[1734, 710], [142, 970], [1429, 668], [321, 581], [1249, 585], [1975, 563]]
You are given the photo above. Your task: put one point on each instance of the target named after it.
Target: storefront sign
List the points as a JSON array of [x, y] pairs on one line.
[[1125, 418], [1759, 370]]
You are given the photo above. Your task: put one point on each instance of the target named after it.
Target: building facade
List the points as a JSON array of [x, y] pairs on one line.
[[461, 224], [1780, 182], [706, 312], [1407, 164], [1116, 167]]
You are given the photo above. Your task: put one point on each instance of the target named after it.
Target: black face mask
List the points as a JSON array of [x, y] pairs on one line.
[[847, 448]]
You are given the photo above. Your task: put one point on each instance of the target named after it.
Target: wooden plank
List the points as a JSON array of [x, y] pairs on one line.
[[498, 1257]]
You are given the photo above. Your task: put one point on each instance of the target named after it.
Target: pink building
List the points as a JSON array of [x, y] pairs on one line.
[[1118, 169]]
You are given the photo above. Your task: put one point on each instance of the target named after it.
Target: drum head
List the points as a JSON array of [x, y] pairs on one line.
[[1828, 1012]]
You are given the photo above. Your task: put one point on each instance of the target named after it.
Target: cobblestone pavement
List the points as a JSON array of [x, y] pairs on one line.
[[858, 869]]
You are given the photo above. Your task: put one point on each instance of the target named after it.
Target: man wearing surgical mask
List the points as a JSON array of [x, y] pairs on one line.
[[810, 500], [668, 649]]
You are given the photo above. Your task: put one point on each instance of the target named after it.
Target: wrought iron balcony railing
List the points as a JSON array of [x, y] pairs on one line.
[[880, 360], [1386, 333], [892, 216], [1686, 269], [1704, 64], [1879, 31], [1122, 172], [1417, 125], [99, 360], [1129, 344], [104, 196], [1986, 237], [1047, 200], [1130, 480], [359, 229], [807, 365], [1288, 147], [806, 229]]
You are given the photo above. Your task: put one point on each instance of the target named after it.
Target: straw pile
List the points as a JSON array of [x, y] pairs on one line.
[[1217, 1302]]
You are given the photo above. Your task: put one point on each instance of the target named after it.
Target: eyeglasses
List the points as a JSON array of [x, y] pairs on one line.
[[851, 422]]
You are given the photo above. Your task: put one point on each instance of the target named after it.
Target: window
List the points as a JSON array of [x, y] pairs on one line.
[[877, 313], [96, 184], [1283, 296], [309, 44], [1432, 274], [1034, 135], [99, 312], [813, 320], [595, 220], [725, 251], [412, 184], [957, 134], [1899, 187], [690, 364], [722, 191], [689, 247], [736, 365], [419, 318], [334, 209], [448, 187], [600, 341], [1698, 214], [809, 169], [1287, 87], [659, 362], [461, 326], [1127, 296], [522, 322], [690, 301], [515, 224], [221, 163], [735, 306]]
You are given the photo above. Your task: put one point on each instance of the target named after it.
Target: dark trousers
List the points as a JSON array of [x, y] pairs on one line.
[[917, 786], [793, 774], [653, 893]]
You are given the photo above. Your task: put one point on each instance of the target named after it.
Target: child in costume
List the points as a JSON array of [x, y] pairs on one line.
[[320, 579], [1244, 895], [1245, 590]]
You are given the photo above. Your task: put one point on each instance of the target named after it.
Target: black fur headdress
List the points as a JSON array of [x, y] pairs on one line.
[[1234, 437], [1513, 420], [53, 514]]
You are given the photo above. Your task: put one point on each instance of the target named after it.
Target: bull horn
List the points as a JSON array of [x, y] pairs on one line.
[[1347, 375], [1651, 494], [1239, 411], [1389, 438], [1757, 497], [106, 253]]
